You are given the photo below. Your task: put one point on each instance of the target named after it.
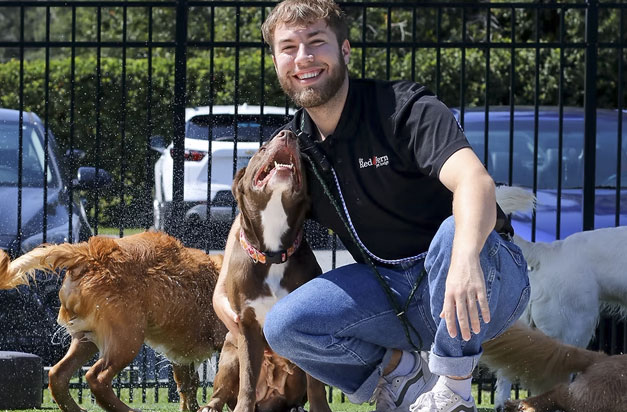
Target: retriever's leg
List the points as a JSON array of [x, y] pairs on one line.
[[187, 383], [226, 382], [250, 347], [317, 395], [99, 377], [59, 376]]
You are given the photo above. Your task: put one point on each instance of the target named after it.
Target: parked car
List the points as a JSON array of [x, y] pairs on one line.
[[522, 165], [210, 139], [28, 315]]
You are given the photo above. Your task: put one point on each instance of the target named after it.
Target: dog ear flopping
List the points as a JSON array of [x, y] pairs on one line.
[[236, 189]]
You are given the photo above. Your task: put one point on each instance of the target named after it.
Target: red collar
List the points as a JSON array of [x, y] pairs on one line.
[[269, 257]]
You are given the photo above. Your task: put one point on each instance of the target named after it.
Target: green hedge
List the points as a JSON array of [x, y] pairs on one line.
[[131, 161]]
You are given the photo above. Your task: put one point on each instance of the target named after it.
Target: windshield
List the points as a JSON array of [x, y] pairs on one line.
[[32, 156], [522, 162], [250, 128]]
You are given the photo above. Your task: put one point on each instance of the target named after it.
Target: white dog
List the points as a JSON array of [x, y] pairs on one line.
[[571, 280]]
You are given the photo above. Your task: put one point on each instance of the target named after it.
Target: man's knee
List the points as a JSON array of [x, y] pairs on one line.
[[278, 329]]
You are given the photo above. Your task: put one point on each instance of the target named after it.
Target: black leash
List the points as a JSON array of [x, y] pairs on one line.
[[401, 312]]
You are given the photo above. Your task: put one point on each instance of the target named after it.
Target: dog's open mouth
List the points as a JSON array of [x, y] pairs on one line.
[[281, 166]]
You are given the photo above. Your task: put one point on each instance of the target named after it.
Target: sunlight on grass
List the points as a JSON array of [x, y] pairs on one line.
[[114, 231]]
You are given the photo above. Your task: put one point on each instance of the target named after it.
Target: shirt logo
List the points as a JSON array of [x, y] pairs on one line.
[[376, 161]]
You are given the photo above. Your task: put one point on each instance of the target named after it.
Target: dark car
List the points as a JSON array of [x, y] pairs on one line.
[[547, 166], [28, 314]]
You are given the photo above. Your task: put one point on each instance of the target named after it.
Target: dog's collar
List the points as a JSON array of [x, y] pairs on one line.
[[269, 257]]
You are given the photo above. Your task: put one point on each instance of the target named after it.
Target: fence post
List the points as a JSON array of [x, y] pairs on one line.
[[178, 116], [590, 115]]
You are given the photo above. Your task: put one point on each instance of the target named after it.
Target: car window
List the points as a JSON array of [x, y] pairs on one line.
[[249, 128], [522, 162], [32, 156]]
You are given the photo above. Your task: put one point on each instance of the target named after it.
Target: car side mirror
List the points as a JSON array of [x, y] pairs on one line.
[[90, 178], [158, 144]]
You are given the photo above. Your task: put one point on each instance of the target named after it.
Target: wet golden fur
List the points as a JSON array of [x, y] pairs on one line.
[[120, 293]]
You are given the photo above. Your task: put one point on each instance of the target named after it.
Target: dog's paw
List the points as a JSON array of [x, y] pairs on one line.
[[207, 408], [298, 409]]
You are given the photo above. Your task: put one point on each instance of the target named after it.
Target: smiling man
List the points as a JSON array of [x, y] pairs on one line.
[[419, 204]]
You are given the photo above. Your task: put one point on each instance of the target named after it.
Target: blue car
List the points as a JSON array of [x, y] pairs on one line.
[[522, 164]]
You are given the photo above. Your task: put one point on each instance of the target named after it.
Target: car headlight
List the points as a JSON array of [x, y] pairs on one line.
[[57, 234]]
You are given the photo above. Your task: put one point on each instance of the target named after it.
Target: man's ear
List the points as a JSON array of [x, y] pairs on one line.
[[346, 50]]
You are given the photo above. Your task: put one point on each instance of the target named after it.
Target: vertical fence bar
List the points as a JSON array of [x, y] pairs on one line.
[[122, 209], [462, 85], [512, 84], [363, 40], [590, 101], [486, 131], [536, 115], [236, 100], [388, 49], [98, 99], [210, 129], [414, 20], [20, 147], [149, 127], [44, 237], [438, 55], [72, 154], [619, 165], [178, 115], [560, 133]]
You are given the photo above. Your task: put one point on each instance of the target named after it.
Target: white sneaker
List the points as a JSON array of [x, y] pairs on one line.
[[395, 394], [442, 399]]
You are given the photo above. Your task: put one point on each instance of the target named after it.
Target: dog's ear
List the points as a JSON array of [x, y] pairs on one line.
[[238, 176]]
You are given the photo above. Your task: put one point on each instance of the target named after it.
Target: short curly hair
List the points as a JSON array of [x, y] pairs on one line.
[[305, 12]]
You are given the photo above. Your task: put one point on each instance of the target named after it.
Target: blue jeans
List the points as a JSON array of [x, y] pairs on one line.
[[341, 328]]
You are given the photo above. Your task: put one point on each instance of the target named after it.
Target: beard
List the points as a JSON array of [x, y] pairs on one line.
[[314, 96]]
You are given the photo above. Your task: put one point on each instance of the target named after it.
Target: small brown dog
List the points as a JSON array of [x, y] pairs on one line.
[[267, 257], [118, 294], [544, 365]]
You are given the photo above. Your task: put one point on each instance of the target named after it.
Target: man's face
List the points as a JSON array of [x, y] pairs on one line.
[[310, 64]]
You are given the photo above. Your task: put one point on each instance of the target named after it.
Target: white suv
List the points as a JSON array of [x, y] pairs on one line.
[[252, 128]]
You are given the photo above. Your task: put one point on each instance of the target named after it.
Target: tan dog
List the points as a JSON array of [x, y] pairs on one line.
[[118, 294], [545, 365], [268, 258]]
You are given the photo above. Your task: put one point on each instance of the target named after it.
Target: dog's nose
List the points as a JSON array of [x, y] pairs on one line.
[[287, 135]]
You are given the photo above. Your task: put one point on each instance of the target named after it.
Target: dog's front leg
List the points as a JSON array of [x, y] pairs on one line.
[[187, 383], [60, 374], [317, 396], [250, 346]]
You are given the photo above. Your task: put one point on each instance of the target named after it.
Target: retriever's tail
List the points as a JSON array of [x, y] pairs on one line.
[[515, 199], [539, 361], [46, 258]]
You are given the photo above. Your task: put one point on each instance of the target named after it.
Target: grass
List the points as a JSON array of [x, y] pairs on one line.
[[337, 405], [114, 231]]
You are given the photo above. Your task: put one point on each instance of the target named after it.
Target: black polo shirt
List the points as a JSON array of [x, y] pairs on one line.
[[387, 151]]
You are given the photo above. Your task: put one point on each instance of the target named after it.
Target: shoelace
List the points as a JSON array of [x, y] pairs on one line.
[[435, 401]]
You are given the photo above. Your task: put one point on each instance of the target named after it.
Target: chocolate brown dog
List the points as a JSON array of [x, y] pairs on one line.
[[267, 258]]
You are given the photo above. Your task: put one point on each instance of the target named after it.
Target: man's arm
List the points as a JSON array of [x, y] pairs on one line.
[[474, 209]]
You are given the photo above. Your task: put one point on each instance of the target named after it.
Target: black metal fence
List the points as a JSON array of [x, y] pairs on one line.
[[107, 76]]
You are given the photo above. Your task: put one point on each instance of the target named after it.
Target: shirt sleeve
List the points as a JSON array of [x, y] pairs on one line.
[[432, 133]]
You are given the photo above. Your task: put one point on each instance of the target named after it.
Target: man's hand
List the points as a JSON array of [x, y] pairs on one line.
[[465, 287], [224, 311]]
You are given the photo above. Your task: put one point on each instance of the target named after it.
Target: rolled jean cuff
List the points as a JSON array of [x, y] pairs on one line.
[[366, 389], [458, 366]]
